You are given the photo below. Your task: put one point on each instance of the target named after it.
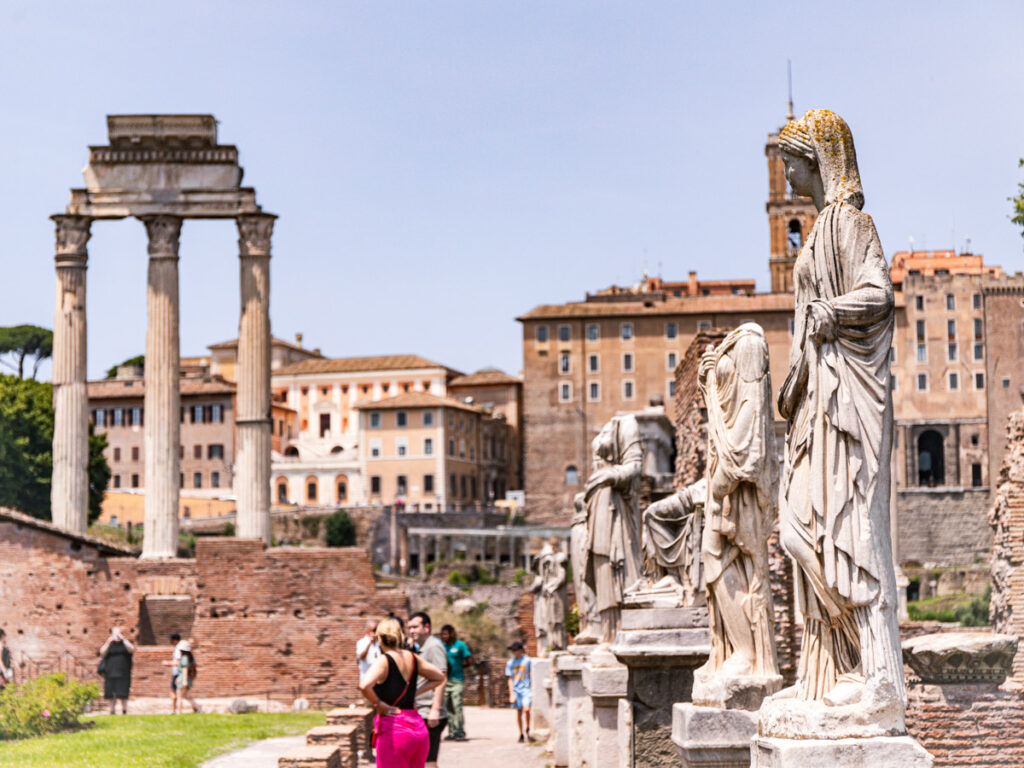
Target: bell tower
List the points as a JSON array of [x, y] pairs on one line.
[[790, 217]]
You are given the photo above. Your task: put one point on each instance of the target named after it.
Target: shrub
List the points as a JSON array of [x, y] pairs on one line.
[[520, 577], [457, 578], [228, 529], [341, 531], [430, 568], [572, 621], [46, 704], [975, 613]]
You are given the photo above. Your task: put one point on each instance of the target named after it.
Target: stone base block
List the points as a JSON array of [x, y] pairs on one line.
[[311, 757], [879, 752], [361, 717], [345, 737], [540, 672], [709, 737]]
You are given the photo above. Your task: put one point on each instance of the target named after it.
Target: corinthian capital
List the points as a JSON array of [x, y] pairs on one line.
[[72, 235], [163, 232], [254, 232]]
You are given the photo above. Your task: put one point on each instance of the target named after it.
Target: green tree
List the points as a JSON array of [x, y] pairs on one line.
[[1018, 202], [341, 532], [26, 456], [19, 342], [137, 360]]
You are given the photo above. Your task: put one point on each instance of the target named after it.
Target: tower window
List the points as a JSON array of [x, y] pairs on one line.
[[796, 236]]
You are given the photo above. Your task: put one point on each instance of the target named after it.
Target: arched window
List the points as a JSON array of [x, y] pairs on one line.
[[930, 466], [311, 490], [796, 236], [282, 490], [291, 451], [341, 486], [572, 475]]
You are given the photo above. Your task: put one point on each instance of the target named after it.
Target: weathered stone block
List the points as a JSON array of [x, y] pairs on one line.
[[961, 657], [879, 752], [708, 737], [311, 757]]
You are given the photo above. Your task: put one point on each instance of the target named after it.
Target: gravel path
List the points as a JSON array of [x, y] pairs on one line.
[[262, 754]]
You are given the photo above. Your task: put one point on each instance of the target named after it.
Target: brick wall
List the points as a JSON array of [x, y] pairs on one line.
[[1007, 518], [947, 526]]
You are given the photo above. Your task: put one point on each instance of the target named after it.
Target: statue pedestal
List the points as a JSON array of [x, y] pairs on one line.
[[877, 752], [540, 711], [710, 737], [571, 719], [661, 647], [604, 680]]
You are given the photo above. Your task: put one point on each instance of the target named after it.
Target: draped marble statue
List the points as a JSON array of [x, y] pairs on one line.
[[671, 547], [608, 559], [550, 599], [834, 496], [742, 482]]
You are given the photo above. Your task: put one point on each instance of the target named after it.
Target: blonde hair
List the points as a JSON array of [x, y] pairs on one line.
[[390, 635]]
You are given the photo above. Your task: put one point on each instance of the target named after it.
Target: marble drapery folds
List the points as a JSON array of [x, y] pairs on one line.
[[550, 598]]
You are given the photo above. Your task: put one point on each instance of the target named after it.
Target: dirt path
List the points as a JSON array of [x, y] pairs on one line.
[[492, 742]]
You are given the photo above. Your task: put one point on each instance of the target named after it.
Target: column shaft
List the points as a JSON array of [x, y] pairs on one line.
[[162, 420], [252, 414], [69, 488]]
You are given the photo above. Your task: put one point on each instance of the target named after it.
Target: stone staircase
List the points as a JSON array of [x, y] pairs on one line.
[[339, 744]]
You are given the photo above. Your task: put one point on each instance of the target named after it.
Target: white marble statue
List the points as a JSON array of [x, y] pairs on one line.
[[742, 482], [611, 554], [549, 589], [834, 496], [589, 629], [671, 545]]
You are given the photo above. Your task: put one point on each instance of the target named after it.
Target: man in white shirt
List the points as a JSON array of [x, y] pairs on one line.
[[367, 649]]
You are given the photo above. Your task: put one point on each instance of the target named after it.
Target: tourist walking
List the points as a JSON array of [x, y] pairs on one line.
[[430, 702], [367, 648], [6, 663], [400, 736], [520, 694], [116, 669], [187, 671], [458, 656]]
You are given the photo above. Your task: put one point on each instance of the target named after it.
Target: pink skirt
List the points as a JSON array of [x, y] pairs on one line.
[[402, 740]]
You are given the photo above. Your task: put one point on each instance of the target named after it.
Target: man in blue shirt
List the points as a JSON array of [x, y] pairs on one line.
[[458, 656], [520, 694]]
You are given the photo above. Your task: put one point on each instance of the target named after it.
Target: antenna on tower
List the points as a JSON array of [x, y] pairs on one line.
[[789, 81]]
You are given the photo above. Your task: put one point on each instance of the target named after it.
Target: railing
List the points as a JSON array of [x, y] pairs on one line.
[[27, 668]]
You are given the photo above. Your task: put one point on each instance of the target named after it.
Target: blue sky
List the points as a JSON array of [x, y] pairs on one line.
[[439, 168]]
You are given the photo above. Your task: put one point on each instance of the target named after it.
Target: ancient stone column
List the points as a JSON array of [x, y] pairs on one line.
[[252, 408], [162, 421], [69, 489]]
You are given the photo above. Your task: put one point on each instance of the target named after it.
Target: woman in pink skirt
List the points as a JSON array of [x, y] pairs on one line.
[[400, 736]]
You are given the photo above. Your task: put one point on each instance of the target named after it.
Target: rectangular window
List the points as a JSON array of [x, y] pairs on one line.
[[950, 302], [976, 300], [892, 382], [703, 325], [671, 330], [920, 330], [595, 392], [976, 475], [542, 334], [564, 362], [117, 454], [196, 414], [627, 331], [922, 353], [977, 328], [951, 329], [401, 485], [117, 481], [627, 362], [136, 417], [954, 382], [462, 486], [919, 303], [627, 390], [922, 382], [375, 447], [951, 351], [670, 388], [118, 417], [451, 420], [375, 420], [135, 453], [428, 418], [401, 447], [197, 480], [100, 417], [979, 381], [428, 483], [197, 451], [451, 446], [792, 326], [453, 485], [565, 392], [892, 355], [375, 484], [593, 332], [401, 419], [325, 424], [1006, 383], [594, 363], [564, 333], [217, 413], [978, 351], [671, 360], [428, 446], [135, 481], [215, 479]]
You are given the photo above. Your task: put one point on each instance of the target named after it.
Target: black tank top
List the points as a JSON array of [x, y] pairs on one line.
[[394, 684]]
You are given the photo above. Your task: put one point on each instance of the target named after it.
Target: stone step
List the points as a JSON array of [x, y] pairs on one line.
[[345, 737], [318, 756], [361, 717]]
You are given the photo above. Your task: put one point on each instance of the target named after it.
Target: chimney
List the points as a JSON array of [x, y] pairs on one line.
[[691, 286], [298, 339]]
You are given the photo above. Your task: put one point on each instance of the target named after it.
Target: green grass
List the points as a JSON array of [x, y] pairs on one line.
[[152, 741]]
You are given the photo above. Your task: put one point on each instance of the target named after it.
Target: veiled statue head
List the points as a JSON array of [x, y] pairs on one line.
[[822, 139]]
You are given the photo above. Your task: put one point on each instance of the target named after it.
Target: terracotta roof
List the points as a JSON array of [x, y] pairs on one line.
[[687, 305], [484, 376], [188, 385], [417, 400], [274, 342], [358, 365], [34, 522]]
